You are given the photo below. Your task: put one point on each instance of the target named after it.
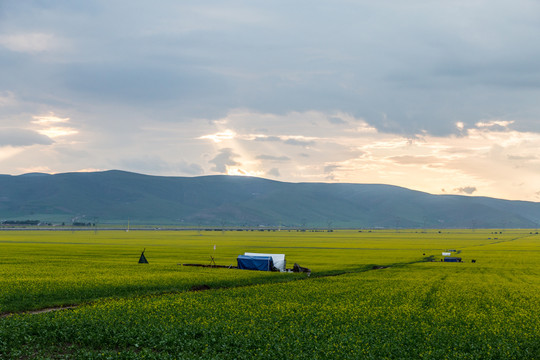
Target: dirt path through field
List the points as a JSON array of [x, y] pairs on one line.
[[205, 287], [40, 311]]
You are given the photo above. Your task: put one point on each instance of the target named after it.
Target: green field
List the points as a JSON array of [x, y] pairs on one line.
[[415, 308]]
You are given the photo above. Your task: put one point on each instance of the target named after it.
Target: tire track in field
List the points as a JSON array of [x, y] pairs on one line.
[[429, 299], [204, 287], [500, 241]]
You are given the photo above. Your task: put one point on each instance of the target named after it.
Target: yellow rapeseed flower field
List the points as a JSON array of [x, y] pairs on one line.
[[371, 295]]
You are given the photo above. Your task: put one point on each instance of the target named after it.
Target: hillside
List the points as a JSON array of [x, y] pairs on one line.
[[116, 196]]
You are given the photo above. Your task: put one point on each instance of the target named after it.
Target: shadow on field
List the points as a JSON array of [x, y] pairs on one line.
[[206, 287]]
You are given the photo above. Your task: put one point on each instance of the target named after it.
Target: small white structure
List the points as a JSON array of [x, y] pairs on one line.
[[446, 254], [277, 259]]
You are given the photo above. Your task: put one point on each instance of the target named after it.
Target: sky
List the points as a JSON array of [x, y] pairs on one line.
[[436, 96]]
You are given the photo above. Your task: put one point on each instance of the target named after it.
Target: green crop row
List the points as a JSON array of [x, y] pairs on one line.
[[419, 311], [40, 269], [414, 309]]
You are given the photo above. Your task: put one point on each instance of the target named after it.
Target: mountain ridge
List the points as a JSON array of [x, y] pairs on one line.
[[222, 200]]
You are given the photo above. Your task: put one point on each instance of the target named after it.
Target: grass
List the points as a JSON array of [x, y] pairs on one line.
[[412, 309]]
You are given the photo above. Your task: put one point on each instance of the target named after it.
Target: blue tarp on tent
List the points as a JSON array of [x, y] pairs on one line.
[[262, 263], [452, 259]]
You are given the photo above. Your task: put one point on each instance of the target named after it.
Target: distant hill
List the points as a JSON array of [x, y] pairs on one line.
[[116, 196]]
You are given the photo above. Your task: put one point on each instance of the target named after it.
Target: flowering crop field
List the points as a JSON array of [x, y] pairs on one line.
[[413, 309]]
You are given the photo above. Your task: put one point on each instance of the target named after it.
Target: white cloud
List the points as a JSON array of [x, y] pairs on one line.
[[414, 160], [32, 43], [90, 170], [47, 125], [237, 171], [422, 162], [489, 157], [486, 155], [48, 119], [221, 136], [57, 131], [494, 123], [36, 169], [7, 152]]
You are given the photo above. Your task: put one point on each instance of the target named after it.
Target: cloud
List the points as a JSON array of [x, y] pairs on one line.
[[466, 190], [32, 43], [201, 60], [48, 119], [348, 87], [150, 164], [299, 142], [7, 98], [137, 83], [219, 137], [330, 168], [494, 125], [327, 74], [153, 164], [522, 157], [337, 120], [273, 158], [224, 159], [48, 125], [23, 137], [267, 138], [413, 160], [273, 172], [286, 139], [190, 169]]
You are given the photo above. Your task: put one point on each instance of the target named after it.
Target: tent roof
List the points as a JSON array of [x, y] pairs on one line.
[[278, 259]]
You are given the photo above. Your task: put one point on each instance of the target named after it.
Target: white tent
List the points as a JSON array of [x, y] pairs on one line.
[[278, 259]]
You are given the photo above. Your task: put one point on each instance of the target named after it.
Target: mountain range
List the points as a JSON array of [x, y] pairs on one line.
[[223, 201]]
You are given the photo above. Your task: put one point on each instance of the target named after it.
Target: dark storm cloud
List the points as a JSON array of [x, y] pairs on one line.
[[141, 84], [402, 67]]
